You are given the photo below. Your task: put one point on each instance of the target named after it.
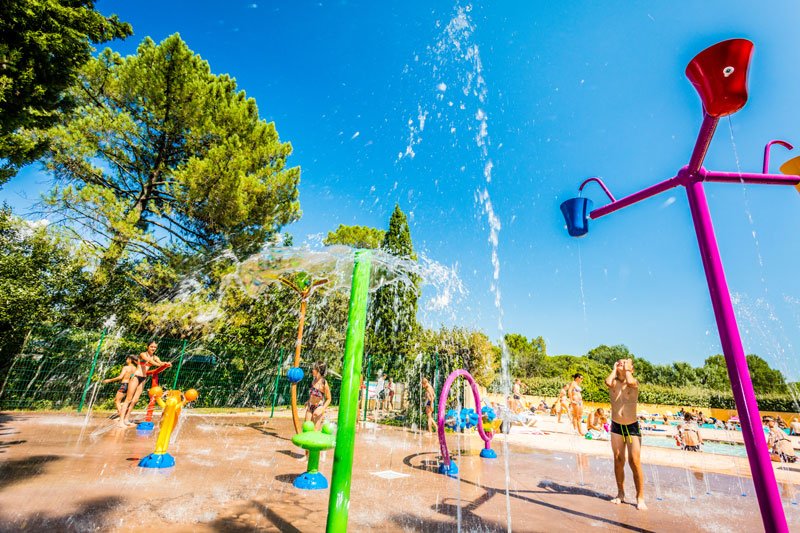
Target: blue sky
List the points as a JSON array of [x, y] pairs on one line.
[[571, 90]]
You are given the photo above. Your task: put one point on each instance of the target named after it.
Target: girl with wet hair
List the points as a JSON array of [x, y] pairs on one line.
[[319, 396]]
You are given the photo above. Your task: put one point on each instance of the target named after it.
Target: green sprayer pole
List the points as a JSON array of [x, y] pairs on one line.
[[277, 379], [91, 372], [366, 386], [339, 502], [180, 364], [436, 382]]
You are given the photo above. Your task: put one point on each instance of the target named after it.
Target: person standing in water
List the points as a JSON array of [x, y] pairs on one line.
[[626, 439], [124, 377], [429, 399], [319, 397], [576, 402], [147, 359]]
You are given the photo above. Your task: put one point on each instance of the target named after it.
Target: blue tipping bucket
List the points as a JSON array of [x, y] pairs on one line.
[[576, 214]]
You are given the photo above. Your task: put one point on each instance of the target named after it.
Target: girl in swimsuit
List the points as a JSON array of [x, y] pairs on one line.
[[576, 399], [124, 377], [136, 384], [319, 397]]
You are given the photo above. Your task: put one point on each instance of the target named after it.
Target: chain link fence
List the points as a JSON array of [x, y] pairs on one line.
[[62, 368]]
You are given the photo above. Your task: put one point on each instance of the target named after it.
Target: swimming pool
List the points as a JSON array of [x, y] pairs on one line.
[[719, 448]]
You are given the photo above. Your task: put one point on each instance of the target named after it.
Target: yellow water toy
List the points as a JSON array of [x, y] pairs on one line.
[[171, 410]]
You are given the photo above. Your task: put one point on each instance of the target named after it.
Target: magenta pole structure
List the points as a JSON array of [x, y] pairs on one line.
[[447, 466], [719, 74]]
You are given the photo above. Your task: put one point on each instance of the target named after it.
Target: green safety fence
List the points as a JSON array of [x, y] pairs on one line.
[[64, 369]]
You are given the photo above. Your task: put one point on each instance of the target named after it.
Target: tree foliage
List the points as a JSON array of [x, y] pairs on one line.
[[527, 356], [41, 279], [43, 44], [356, 236], [163, 158], [392, 325]]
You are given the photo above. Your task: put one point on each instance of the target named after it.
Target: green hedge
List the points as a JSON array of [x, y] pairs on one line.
[[656, 394]]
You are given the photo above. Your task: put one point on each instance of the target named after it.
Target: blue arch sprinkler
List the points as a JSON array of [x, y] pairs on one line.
[[719, 74]]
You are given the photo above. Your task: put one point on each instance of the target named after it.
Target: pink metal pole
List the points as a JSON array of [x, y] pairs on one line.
[[703, 142], [635, 197], [767, 148], [769, 499], [487, 440], [746, 177], [602, 185]]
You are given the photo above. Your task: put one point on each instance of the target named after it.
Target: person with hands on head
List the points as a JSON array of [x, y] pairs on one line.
[[626, 438]]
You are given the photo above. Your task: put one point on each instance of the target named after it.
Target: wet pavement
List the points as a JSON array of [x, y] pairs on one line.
[[59, 472]]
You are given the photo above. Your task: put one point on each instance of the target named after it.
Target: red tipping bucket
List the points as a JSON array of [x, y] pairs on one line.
[[719, 73]]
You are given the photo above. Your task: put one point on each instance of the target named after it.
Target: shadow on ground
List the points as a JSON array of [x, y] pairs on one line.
[[6, 430], [468, 509], [91, 515], [18, 470]]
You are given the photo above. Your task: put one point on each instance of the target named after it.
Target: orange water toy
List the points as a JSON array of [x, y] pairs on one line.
[[171, 410]]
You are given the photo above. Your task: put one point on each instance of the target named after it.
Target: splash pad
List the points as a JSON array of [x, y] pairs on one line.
[[719, 74]]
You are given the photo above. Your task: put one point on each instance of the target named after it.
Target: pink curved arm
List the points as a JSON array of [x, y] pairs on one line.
[[443, 404], [599, 182], [765, 168]]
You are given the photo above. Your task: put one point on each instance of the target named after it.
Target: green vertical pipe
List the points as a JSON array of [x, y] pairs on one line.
[[277, 380], [339, 502], [366, 386], [180, 364], [91, 372], [436, 383]]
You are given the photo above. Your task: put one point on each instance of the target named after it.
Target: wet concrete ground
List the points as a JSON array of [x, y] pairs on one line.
[[234, 473]]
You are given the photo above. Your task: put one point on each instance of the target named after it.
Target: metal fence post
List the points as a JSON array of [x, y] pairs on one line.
[[277, 380], [91, 372], [180, 364]]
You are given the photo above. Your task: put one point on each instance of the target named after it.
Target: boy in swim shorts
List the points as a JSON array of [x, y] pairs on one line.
[[124, 377], [626, 438]]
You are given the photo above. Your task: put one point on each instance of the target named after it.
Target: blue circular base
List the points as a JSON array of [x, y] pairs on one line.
[[488, 453], [451, 471], [309, 481], [157, 460], [144, 426]]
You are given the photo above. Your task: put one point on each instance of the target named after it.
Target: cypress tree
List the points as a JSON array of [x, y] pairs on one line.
[[393, 317]]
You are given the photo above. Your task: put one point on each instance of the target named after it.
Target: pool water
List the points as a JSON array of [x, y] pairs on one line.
[[719, 448]]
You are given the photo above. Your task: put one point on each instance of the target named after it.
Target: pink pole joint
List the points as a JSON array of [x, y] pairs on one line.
[[719, 75]]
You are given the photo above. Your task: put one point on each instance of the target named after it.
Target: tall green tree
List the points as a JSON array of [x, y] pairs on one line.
[[43, 44], [608, 355], [393, 314], [165, 158], [356, 236], [527, 356], [41, 278]]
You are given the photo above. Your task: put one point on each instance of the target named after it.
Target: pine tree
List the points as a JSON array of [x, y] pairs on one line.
[[393, 314], [43, 45], [166, 158]]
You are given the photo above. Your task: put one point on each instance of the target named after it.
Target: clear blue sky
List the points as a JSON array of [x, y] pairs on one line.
[[572, 90]]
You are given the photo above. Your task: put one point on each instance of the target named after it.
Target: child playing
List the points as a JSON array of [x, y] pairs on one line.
[[124, 377]]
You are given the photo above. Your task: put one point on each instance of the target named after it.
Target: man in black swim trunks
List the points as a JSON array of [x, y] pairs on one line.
[[626, 439]]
